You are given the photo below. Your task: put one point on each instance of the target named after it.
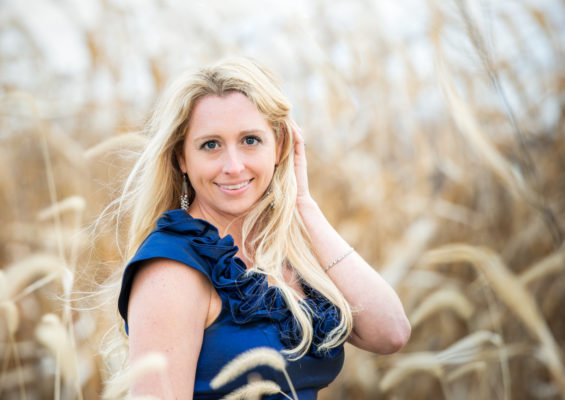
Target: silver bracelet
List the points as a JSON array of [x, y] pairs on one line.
[[334, 262]]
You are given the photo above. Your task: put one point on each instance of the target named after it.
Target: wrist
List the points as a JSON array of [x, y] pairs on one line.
[[338, 259]]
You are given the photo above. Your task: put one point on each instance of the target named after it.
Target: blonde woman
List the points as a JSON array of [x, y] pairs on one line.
[[229, 251]]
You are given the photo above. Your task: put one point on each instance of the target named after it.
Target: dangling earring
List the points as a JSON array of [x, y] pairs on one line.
[[184, 203], [272, 203]]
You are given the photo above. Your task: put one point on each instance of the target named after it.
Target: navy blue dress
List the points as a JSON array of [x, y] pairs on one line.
[[253, 314]]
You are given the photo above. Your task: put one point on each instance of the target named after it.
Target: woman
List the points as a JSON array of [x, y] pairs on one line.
[[232, 252]]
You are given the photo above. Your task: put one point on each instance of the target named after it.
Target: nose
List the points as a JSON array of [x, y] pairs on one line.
[[233, 162]]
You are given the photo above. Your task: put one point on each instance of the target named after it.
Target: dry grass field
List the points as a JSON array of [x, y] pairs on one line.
[[436, 144]]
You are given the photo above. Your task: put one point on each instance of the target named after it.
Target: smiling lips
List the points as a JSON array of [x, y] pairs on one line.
[[236, 186]]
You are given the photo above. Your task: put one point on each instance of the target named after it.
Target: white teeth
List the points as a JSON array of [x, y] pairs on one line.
[[233, 187]]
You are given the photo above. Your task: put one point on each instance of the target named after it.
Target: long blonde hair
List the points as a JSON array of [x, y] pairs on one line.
[[274, 235]]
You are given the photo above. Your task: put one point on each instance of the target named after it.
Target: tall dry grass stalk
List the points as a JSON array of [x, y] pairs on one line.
[[254, 390], [464, 353], [437, 153], [260, 356], [440, 301], [118, 387], [554, 263], [52, 334], [512, 292]]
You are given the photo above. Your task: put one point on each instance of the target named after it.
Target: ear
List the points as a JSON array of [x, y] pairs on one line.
[[179, 154]]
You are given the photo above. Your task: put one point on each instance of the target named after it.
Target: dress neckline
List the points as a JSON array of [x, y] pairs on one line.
[[302, 297], [246, 293]]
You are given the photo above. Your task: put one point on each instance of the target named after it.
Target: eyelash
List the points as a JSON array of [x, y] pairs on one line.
[[205, 145], [257, 140]]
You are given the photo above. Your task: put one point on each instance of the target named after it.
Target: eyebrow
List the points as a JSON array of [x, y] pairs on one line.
[[248, 131], [217, 136]]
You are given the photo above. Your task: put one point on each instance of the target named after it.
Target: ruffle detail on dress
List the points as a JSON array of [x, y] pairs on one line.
[[247, 294]]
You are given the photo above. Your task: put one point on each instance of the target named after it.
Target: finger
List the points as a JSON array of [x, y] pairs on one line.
[[299, 142], [299, 148], [297, 132], [300, 160]]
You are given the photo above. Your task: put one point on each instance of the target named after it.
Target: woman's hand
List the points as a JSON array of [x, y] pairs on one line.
[[300, 167]]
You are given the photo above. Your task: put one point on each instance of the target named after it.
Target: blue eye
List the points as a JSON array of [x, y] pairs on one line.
[[209, 145], [252, 140]]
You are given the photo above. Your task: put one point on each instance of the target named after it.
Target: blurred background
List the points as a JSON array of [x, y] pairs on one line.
[[436, 145]]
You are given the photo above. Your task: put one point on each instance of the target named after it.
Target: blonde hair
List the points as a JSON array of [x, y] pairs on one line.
[[274, 235]]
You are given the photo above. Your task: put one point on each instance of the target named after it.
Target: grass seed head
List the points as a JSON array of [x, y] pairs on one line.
[[254, 391], [118, 387], [52, 334], [439, 301], [23, 273], [261, 356]]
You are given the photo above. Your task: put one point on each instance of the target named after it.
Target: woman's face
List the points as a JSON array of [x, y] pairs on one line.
[[229, 153]]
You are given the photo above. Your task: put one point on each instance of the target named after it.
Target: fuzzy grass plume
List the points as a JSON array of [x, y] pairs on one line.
[[118, 387], [260, 356]]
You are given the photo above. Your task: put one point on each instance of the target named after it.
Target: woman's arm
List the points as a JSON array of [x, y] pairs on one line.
[[167, 313], [379, 322]]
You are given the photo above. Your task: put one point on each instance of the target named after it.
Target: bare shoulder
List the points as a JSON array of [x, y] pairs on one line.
[[159, 273], [168, 291]]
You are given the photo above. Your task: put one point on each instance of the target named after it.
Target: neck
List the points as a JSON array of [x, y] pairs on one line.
[[227, 224]]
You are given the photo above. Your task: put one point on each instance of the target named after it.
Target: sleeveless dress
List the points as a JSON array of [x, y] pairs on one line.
[[253, 313]]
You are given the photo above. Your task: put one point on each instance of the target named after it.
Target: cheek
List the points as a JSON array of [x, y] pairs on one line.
[[268, 166], [267, 159], [203, 171]]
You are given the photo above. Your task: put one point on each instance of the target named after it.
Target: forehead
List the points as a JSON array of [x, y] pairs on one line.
[[214, 114]]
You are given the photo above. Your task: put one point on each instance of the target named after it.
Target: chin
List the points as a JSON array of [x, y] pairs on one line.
[[237, 211]]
